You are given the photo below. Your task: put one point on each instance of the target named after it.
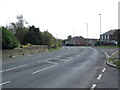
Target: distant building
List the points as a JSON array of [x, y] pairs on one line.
[[76, 41], [91, 41], [80, 41], [108, 37]]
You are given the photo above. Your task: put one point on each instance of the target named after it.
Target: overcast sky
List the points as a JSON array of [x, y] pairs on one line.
[[63, 17]]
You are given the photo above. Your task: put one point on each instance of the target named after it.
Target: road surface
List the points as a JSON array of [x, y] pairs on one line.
[[68, 67]]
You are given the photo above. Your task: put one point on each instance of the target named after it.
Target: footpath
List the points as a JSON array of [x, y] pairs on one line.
[[110, 74], [112, 56]]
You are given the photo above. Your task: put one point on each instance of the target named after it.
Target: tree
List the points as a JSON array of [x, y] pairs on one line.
[[8, 39], [48, 39], [33, 36], [21, 34], [20, 23], [58, 43], [69, 37]]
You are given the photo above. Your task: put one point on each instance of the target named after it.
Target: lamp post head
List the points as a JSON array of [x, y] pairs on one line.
[[99, 14]]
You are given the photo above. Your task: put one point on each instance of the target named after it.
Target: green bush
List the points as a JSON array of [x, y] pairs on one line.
[[8, 39]]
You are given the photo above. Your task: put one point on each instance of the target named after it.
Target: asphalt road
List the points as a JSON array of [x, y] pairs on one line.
[[68, 67]]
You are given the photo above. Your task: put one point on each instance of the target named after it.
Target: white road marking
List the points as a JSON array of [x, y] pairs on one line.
[[93, 87], [84, 52], [39, 61], [51, 62], [99, 77], [43, 69], [5, 83], [62, 60], [58, 56], [68, 59], [103, 70], [14, 68], [65, 60]]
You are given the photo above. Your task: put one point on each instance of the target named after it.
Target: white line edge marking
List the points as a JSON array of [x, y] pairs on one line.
[[43, 69], [5, 83], [93, 86], [103, 69], [99, 77], [14, 68]]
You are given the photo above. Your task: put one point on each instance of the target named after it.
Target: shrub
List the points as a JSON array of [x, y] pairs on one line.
[[8, 39]]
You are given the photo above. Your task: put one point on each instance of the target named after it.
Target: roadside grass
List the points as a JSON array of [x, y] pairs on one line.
[[117, 63], [109, 46], [112, 59], [52, 49]]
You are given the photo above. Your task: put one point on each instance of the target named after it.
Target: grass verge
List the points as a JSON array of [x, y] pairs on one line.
[[117, 63], [52, 49], [109, 46], [112, 59]]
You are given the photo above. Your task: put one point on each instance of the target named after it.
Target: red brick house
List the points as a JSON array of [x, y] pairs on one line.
[[76, 41], [80, 41]]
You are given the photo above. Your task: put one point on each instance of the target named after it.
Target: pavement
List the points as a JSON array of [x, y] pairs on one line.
[[68, 67], [115, 57], [112, 71]]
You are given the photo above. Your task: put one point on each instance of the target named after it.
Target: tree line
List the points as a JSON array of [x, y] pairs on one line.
[[20, 35]]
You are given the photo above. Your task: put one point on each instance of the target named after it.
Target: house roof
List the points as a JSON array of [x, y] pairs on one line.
[[108, 32]]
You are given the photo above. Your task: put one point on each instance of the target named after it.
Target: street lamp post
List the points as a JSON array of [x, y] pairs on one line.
[[100, 28], [87, 33]]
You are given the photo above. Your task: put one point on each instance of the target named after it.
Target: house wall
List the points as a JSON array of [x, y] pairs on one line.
[[80, 41]]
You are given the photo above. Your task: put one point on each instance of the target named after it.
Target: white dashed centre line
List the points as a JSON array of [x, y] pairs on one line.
[[93, 87], [5, 83], [99, 77], [103, 69]]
